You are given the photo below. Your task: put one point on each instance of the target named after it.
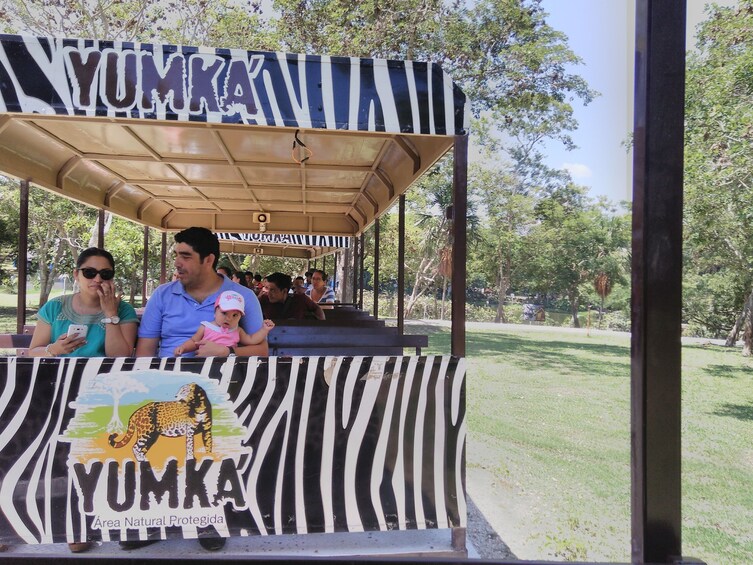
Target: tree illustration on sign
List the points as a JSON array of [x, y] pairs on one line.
[[117, 389]]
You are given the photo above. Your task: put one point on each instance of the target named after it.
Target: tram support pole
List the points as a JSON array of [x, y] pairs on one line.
[[401, 265], [376, 269], [656, 306], [23, 253], [459, 222]]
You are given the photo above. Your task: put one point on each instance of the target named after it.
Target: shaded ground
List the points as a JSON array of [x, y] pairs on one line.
[[483, 538]]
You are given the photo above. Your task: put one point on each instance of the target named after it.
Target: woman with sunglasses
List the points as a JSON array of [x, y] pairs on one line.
[[111, 323]]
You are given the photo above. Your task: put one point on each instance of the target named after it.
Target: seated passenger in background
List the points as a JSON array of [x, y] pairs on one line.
[[257, 286], [249, 279], [319, 291], [240, 278], [228, 310], [279, 304], [263, 287], [299, 286]]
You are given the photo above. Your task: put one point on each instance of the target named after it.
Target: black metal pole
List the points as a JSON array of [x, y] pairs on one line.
[[355, 269], [163, 260], [401, 265], [334, 273], [459, 222], [360, 273], [101, 229], [23, 253], [145, 270], [657, 280], [376, 268]]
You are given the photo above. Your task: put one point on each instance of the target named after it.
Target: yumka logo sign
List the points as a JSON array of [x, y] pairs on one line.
[[155, 449]]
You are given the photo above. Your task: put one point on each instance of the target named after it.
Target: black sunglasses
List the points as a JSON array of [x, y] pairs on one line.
[[90, 273]]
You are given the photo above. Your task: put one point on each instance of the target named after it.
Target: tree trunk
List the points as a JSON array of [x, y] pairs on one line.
[[47, 277], [503, 285], [748, 334], [422, 282], [134, 282], [574, 308], [444, 296], [94, 235], [732, 336]]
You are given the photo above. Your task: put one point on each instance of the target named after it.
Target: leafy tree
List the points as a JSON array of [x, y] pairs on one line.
[[718, 174], [58, 229], [573, 242], [177, 21], [509, 209]]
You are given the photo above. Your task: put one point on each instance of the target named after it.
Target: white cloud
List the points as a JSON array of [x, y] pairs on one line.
[[577, 170]]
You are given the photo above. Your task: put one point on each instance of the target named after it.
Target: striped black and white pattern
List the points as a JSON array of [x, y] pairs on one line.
[[287, 239], [339, 444], [138, 80]]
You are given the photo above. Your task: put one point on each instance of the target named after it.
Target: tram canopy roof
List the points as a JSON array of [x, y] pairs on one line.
[[174, 136], [279, 245]]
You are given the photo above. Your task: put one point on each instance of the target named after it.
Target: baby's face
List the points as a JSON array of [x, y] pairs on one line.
[[227, 319]]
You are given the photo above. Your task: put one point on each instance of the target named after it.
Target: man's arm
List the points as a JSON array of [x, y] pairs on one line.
[[211, 349], [147, 346], [314, 308], [318, 312]]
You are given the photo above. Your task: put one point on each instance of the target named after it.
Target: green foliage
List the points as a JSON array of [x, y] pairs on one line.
[[718, 210]]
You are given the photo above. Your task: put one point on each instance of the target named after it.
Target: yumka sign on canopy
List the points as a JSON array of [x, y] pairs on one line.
[[171, 82]]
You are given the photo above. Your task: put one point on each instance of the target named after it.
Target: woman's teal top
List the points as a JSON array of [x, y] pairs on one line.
[[59, 313]]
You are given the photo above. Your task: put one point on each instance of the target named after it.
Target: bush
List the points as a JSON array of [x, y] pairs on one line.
[[617, 321]]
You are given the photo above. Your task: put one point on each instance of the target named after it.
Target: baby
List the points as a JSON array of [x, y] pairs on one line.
[[228, 309]]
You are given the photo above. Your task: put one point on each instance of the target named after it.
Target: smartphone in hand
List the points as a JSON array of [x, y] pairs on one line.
[[77, 331]]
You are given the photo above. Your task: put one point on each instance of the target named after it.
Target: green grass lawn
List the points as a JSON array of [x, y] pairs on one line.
[[549, 415]]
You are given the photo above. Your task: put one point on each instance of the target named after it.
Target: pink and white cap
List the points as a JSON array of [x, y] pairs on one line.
[[230, 300]]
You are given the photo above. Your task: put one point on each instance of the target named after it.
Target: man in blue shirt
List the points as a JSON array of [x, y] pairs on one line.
[[176, 309]]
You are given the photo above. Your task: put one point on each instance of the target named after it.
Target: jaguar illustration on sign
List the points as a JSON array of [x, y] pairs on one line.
[[155, 449]]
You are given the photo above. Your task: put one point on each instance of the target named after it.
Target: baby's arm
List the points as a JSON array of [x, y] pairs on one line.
[[259, 336], [190, 344]]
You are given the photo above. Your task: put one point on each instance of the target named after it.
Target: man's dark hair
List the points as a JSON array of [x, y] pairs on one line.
[[298, 278], [202, 240], [257, 278], [309, 273], [280, 280], [248, 274], [241, 278]]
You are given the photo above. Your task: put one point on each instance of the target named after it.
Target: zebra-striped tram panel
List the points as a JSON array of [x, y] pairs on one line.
[[117, 449]]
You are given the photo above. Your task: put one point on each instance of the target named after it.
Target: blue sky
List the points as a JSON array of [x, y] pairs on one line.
[[601, 33], [598, 31]]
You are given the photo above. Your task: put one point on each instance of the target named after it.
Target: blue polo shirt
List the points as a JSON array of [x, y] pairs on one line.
[[173, 315]]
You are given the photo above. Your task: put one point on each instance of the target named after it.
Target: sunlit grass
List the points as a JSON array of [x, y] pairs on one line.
[[553, 407]]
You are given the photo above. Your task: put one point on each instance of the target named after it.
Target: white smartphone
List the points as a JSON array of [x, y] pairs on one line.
[[77, 331]]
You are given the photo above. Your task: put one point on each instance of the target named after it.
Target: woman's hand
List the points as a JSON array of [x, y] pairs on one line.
[[109, 301], [65, 345]]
